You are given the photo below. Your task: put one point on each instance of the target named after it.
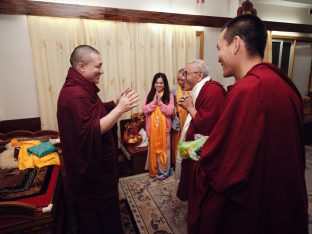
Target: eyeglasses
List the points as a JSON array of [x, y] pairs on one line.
[[185, 73]]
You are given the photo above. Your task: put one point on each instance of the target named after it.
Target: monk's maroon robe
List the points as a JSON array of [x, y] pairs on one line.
[[209, 105], [90, 158], [252, 165]]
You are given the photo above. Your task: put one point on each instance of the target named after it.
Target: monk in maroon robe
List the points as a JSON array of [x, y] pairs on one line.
[[252, 165], [209, 97], [88, 145]]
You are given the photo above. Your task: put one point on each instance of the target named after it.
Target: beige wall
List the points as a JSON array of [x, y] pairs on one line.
[[273, 12], [17, 86]]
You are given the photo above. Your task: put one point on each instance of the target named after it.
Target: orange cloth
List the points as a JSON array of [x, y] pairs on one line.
[[157, 144], [175, 136], [181, 111]]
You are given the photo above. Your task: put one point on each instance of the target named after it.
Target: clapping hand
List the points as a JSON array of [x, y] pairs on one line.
[[118, 97], [129, 99]]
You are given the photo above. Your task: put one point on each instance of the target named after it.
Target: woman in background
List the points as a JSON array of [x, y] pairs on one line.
[[158, 108]]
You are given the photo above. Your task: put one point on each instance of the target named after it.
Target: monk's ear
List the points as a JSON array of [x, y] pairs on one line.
[[201, 76], [81, 67], [237, 43]]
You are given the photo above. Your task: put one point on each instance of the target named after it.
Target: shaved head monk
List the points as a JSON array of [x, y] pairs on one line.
[[252, 165], [88, 143]]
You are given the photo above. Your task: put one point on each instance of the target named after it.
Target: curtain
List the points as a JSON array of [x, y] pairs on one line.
[[310, 83], [131, 52], [268, 48]]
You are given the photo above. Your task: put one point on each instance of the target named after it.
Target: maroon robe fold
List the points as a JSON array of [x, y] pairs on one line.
[[90, 158], [252, 165]]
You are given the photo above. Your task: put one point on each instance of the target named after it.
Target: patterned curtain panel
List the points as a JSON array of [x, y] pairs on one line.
[[131, 52]]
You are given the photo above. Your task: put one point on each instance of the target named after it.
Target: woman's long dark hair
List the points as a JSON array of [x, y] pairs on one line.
[[166, 96]]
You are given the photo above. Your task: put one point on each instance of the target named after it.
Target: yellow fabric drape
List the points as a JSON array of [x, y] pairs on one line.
[[157, 144], [175, 136], [181, 111]]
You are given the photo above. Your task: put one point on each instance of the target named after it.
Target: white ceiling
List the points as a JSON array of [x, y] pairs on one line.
[[291, 3]]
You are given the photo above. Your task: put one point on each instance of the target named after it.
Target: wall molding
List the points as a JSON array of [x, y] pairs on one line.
[[24, 7]]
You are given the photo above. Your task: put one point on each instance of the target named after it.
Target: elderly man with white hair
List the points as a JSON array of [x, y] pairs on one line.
[[204, 104]]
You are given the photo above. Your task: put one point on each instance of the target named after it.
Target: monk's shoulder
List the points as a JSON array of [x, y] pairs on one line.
[[74, 91], [249, 85], [214, 85]]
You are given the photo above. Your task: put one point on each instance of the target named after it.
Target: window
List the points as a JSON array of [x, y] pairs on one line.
[[294, 56], [282, 55]]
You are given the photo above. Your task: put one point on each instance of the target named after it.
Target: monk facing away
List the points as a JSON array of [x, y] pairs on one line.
[[252, 165]]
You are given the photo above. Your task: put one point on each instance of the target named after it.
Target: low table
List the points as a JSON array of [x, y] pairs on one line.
[[136, 157]]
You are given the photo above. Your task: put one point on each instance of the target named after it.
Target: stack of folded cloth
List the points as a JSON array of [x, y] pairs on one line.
[[36, 154]]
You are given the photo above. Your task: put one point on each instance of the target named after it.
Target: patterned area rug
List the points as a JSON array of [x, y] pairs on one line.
[[156, 209], [127, 220], [154, 205]]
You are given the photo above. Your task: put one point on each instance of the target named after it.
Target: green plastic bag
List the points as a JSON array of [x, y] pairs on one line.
[[191, 149]]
